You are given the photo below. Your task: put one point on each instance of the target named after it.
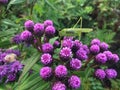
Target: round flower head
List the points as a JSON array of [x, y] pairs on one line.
[[65, 54], [4, 1], [56, 44], [115, 58], [95, 41], [11, 77], [48, 23], [111, 73], [46, 59], [100, 73], [3, 70], [49, 31], [95, 49], [76, 45], [46, 73], [108, 54], [17, 52], [74, 82], [81, 54], [75, 64], [38, 29], [85, 47], [29, 25], [58, 86], [67, 43], [104, 46], [61, 71], [67, 37], [26, 36], [47, 48], [16, 39], [101, 58]]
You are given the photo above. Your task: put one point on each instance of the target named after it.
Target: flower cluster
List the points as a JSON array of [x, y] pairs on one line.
[[9, 65], [3, 1]]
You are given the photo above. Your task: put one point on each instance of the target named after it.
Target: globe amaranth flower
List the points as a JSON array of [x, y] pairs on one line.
[[104, 46], [75, 64], [94, 49], [108, 54], [46, 73], [48, 23], [11, 77], [65, 54], [95, 41], [67, 37], [74, 82], [61, 71], [115, 58], [47, 48], [67, 43], [101, 58], [46, 59], [59, 86], [100, 73], [4, 1], [111, 73], [49, 31], [38, 29], [81, 54], [76, 45], [17, 52], [16, 39], [29, 25], [56, 44], [3, 70], [85, 47]]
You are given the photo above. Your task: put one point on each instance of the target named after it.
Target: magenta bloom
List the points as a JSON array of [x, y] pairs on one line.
[[65, 54], [61, 71], [101, 58], [100, 73], [46, 59], [81, 54], [75, 64], [56, 44], [11, 77], [115, 58], [3, 70], [38, 29], [46, 73], [47, 48], [48, 23], [108, 54], [76, 45], [74, 82], [59, 86], [95, 41], [95, 49], [49, 31], [16, 39], [29, 25], [67, 43], [104, 46], [111, 73], [85, 48]]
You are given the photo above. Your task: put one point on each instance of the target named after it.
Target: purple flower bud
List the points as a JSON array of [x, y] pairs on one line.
[[76, 45], [3, 70], [111, 73], [104, 46], [48, 23], [61, 71], [4, 1], [46, 73], [95, 41], [100, 73], [46, 59], [115, 58], [74, 82], [67, 37], [101, 58], [75, 64], [81, 54], [58, 86], [49, 31], [38, 29], [56, 44], [67, 43], [17, 52], [47, 48], [11, 77], [85, 47], [29, 25], [65, 54], [108, 54], [16, 39], [95, 49]]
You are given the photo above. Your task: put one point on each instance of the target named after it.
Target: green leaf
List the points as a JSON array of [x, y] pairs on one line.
[[53, 40]]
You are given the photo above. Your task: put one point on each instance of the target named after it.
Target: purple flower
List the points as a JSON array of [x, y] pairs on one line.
[[74, 82], [104, 46], [115, 58], [4, 1], [48, 23], [58, 86], [95, 41], [29, 25], [16, 39], [81, 54], [38, 29], [75, 64], [67, 43], [85, 47], [49, 31], [61, 71], [47, 48], [76, 45], [94, 49], [17, 52], [46, 59], [56, 44], [108, 54], [46, 73], [65, 54], [3, 70], [67, 37], [101, 58], [100, 73], [111, 73], [11, 77]]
